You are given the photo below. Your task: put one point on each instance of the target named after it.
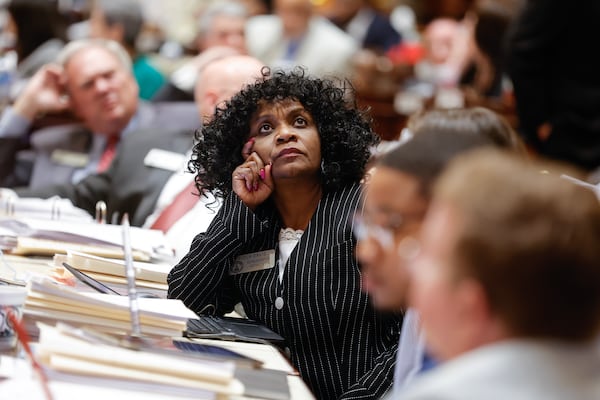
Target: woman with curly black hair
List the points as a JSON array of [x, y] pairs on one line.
[[287, 155]]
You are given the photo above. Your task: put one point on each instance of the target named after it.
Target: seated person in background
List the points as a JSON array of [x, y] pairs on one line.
[[295, 36], [122, 21], [218, 81], [397, 196], [507, 283], [34, 43], [447, 51], [558, 106], [147, 172], [490, 35], [369, 28], [92, 80], [221, 25], [287, 155]]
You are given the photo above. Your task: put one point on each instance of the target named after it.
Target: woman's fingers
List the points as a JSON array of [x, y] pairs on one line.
[[253, 166], [256, 165], [265, 175], [246, 175], [247, 149], [253, 188]]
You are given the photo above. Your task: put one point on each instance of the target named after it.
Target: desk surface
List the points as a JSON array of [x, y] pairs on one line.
[[18, 381], [21, 384]]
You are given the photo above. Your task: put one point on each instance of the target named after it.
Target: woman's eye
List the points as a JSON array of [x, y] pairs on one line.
[[264, 128], [300, 121]]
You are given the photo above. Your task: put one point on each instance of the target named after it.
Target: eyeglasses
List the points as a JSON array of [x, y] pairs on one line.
[[364, 230], [395, 229]]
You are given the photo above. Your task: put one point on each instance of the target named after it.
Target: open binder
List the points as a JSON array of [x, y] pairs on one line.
[[31, 236], [54, 208]]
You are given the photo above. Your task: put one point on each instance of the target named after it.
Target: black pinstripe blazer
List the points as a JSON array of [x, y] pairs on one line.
[[341, 346]]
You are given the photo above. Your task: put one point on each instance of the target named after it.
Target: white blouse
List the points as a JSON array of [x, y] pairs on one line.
[[288, 239]]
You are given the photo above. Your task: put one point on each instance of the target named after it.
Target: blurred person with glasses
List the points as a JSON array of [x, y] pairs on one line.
[[398, 193]]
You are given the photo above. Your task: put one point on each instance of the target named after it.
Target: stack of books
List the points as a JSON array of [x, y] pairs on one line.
[[49, 302]]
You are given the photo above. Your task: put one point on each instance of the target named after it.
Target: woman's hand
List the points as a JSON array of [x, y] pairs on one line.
[[252, 181]]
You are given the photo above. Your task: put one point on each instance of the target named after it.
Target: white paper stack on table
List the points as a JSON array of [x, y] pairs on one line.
[[77, 356], [50, 302], [30, 236], [112, 271], [67, 357]]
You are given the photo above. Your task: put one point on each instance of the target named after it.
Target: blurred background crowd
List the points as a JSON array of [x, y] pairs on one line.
[[402, 56]]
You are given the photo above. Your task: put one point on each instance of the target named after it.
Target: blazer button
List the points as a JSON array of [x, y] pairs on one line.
[[279, 303]]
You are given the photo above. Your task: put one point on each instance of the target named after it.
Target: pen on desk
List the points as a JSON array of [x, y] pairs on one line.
[[23, 338], [133, 303]]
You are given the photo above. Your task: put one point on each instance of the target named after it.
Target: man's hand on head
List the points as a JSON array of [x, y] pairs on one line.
[[44, 93]]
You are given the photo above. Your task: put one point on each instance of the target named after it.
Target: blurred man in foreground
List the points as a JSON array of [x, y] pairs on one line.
[[508, 283]]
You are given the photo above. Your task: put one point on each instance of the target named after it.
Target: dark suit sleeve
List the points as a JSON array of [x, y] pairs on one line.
[[8, 150], [532, 44], [201, 278]]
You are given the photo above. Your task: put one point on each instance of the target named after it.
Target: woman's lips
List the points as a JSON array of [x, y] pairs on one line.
[[292, 151]]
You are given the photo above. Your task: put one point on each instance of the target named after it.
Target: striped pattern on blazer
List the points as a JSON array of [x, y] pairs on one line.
[[340, 345]]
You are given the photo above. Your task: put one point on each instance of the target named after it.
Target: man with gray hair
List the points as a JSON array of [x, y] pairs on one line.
[[122, 21], [91, 82], [221, 25], [148, 178]]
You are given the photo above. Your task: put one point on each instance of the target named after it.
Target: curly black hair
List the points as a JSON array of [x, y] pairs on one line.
[[345, 131]]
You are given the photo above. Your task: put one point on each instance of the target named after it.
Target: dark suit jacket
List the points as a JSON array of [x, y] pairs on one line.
[[341, 346], [555, 71], [128, 186], [77, 139], [381, 35]]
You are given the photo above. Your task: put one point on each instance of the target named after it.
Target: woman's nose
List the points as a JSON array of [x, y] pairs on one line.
[[285, 134]]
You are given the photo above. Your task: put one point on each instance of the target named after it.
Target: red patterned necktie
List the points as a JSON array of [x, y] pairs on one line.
[[108, 154]]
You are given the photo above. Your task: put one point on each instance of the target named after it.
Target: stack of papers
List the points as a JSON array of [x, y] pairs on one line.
[[112, 271], [50, 302], [29, 236], [73, 358]]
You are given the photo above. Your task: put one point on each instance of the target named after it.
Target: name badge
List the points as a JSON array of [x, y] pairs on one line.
[[70, 158], [164, 159], [253, 262]]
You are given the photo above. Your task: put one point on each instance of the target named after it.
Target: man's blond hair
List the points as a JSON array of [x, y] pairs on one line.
[[531, 238]]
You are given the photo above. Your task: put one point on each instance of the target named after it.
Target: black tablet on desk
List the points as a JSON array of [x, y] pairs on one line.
[[245, 330]]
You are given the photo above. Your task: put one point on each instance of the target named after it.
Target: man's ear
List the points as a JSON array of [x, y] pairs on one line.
[[473, 300], [485, 324], [209, 103]]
